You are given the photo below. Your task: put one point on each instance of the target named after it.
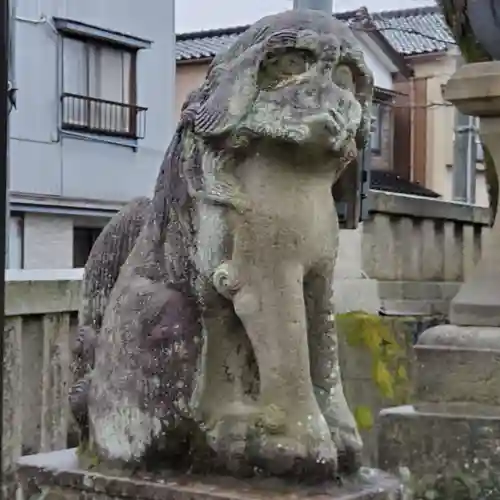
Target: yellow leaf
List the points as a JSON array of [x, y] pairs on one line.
[[347, 324], [401, 373], [372, 336], [392, 348], [383, 379], [364, 417], [360, 329]]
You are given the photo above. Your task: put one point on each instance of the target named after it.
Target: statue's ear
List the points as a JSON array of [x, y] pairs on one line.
[[228, 92]]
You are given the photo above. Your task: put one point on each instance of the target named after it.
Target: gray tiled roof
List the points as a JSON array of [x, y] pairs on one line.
[[410, 31], [205, 43], [414, 31]]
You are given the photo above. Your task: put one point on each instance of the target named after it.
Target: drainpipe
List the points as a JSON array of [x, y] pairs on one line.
[[464, 157]]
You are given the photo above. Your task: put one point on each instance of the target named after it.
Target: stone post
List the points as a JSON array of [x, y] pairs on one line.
[[12, 405], [449, 439], [324, 5]]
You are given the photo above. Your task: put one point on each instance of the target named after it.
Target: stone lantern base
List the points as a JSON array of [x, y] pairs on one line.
[[450, 439], [59, 477]]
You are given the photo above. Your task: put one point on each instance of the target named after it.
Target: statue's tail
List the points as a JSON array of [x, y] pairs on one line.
[[109, 253]]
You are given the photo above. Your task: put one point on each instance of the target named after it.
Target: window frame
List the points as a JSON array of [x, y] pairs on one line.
[[135, 122], [89, 42]]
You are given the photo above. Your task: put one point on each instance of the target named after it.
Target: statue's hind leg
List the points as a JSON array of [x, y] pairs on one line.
[[223, 399]]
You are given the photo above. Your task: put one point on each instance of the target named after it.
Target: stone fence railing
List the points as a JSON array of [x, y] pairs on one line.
[[408, 242], [420, 249], [40, 309]]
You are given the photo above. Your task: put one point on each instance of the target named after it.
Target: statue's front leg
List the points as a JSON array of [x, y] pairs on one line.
[[291, 434], [325, 370]]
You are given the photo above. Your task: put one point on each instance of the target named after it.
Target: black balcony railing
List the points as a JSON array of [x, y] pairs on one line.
[[100, 116]]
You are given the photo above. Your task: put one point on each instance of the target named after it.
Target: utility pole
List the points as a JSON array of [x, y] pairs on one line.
[[358, 205], [324, 5], [464, 157], [4, 138], [10, 106]]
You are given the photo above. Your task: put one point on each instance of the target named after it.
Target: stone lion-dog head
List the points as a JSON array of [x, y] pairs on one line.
[[297, 79]]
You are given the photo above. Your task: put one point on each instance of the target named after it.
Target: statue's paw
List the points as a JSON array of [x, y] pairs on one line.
[[227, 434], [344, 432], [294, 456], [350, 448], [299, 446]]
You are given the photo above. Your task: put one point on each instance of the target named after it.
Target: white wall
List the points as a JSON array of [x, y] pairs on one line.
[[44, 161], [381, 74]]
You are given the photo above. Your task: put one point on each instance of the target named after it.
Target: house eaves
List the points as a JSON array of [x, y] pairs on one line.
[[398, 61]]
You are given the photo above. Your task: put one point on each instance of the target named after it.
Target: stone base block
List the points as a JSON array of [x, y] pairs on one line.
[[58, 475], [458, 364], [452, 443], [450, 374]]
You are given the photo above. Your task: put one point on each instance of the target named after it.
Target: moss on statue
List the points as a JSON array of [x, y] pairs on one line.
[[369, 332]]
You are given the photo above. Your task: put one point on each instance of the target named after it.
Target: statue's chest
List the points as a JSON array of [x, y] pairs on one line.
[[289, 210], [288, 194]]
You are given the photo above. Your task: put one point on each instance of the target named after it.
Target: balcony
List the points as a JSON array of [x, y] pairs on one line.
[[100, 116]]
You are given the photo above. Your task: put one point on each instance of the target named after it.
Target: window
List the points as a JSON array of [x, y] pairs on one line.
[[15, 255], [99, 89], [376, 135], [83, 240]]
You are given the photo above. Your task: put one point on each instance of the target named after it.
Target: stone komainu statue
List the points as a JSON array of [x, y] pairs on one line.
[[217, 334]]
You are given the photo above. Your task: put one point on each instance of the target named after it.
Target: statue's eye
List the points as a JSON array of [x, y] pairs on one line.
[[344, 77], [284, 63]]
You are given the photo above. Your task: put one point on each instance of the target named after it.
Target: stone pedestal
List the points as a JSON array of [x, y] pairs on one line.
[[450, 439], [58, 476]]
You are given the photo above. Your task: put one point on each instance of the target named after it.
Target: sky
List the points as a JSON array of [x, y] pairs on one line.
[[197, 15]]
